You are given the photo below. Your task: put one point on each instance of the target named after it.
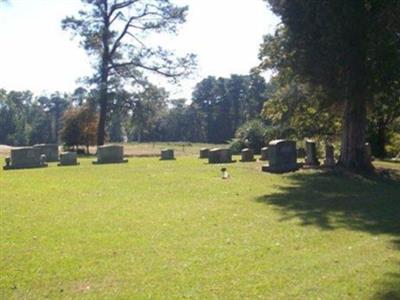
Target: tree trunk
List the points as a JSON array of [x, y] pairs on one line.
[[103, 97], [353, 152], [101, 128], [381, 139]]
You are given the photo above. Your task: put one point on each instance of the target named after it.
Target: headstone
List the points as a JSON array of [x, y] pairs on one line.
[[23, 158], [264, 153], [311, 154], [167, 154], [247, 155], [329, 156], [110, 154], [204, 153], [68, 159], [301, 152], [219, 156], [50, 150], [282, 156]]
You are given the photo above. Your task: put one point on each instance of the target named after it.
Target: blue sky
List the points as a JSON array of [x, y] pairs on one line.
[[36, 54]]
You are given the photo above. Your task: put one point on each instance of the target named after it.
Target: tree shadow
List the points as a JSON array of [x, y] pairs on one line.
[[332, 200]]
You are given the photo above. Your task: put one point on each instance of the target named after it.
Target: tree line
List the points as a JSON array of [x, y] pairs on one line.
[[218, 108]]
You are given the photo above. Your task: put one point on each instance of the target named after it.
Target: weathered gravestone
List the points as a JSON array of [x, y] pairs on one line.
[[282, 156], [68, 159], [204, 153], [25, 157], [50, 150], [368, 152], [110, 154], [311, 154], [247, 155], [219, 156], [264, 153], [329, 156], [167, 154]]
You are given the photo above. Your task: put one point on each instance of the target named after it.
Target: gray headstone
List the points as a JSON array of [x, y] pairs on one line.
[[282, 157], [68, 159], [25, 157], [264, 153], [167, 154], [311, 153], [50, 150], [329, 156], [247, 155], [219, 156], [110, 154], [204, 153]]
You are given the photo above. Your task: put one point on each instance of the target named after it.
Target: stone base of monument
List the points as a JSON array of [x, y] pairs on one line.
[[204, 152], [110, 154], [109, 162], [68, 159], [282, 168], [25, 158], [167, 154], [247, 155], [220, 156], [264, 154]]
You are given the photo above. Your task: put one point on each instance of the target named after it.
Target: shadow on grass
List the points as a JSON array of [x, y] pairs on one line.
[[336, 200]]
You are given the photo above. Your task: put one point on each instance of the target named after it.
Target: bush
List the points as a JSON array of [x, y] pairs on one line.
[[252, 134], [236, 145]]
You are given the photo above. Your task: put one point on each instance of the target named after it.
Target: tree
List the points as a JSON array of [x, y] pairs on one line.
[[79, 126], [113, 32], [349, 49], [296, 108]]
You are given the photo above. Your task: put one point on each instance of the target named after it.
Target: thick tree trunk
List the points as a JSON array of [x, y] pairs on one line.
[[103, 97], [101, 128], [353, 152]]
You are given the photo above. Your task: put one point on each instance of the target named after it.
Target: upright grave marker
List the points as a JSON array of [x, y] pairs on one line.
[[282, 157], [167, 154], [110, 154], [68, 159], [264, 153], [219, 156], [50, 150], [204, 153], [24, 158], [247, 155], [329, 156], [311, 154]]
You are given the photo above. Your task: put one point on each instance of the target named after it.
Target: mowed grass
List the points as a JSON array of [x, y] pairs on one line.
[[155, 229]]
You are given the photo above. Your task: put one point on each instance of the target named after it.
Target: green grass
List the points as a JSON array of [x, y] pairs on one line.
[[175, 229]]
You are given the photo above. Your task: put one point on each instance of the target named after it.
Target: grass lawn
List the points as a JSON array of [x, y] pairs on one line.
[[175, 229]]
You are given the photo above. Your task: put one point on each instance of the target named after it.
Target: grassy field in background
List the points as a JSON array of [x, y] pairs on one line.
[[155, 229]]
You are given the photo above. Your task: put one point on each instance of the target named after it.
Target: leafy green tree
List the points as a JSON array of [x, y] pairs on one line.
[[113, 31], [350, 57]]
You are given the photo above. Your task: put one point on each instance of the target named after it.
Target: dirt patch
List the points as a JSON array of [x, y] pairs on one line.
[[5, 150]]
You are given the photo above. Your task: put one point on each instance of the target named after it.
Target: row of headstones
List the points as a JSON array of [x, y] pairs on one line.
[[281, 154], [39, 155]]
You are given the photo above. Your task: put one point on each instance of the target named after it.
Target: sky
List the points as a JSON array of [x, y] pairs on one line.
[[36, 54]]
